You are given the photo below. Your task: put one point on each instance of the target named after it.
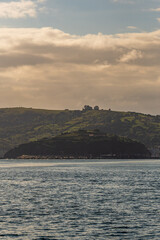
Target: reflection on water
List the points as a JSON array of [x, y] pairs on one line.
[[79, 199]]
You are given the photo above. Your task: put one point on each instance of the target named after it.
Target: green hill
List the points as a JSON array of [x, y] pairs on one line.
[[81, 144], [21, 125]]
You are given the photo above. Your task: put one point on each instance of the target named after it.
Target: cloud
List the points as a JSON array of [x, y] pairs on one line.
[[48, 68], [19, 9], [124, 1], [41, 1], [132, 27], [130, 56], [155, 9]]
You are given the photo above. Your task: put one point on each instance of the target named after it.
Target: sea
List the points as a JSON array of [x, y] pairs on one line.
[[79, 199]]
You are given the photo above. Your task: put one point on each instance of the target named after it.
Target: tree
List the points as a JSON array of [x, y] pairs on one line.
[[87, 108], [96, 108]]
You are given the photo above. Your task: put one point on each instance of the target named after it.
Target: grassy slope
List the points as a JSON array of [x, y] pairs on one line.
[[20, 125], [81, 143], [144, 128]]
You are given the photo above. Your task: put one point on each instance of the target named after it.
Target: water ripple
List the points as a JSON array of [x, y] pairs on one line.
[[79, 200]]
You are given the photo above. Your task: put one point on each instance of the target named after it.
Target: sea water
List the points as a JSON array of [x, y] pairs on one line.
[[79, 199]]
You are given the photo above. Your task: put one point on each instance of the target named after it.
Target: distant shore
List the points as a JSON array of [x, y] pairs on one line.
[[78, 157]]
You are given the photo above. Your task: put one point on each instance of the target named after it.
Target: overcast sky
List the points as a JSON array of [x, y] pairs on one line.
[[59, 54]]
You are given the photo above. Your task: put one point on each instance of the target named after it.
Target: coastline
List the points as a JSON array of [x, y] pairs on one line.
[[81, 157]]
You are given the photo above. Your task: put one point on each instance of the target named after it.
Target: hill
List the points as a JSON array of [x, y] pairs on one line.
[[81, 144], [21, 125]]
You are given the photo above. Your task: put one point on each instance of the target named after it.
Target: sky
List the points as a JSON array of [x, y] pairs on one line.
[[58, 54]]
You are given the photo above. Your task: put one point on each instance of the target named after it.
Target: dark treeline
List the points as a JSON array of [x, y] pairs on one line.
[[87, 144]]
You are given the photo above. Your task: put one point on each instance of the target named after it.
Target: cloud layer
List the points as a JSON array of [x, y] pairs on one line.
[[48, 68], [19, 9]]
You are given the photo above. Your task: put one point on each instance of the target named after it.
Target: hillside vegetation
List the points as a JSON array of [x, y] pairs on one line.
[[81, 144], [21, 125]]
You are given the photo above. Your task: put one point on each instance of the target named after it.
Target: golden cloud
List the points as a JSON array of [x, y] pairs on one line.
[[48, 68]]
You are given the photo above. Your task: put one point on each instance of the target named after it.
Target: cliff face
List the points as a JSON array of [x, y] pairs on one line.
[[88, 144]]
